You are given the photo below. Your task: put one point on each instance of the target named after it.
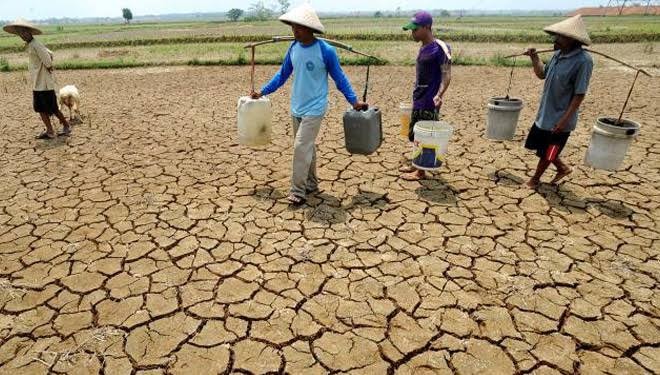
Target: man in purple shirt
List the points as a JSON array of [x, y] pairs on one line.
[[433, 78]]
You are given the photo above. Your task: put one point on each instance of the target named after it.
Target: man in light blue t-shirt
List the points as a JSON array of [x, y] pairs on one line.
[[310, 60]]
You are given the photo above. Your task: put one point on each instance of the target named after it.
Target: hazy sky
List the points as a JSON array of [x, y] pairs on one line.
[[40, 9]]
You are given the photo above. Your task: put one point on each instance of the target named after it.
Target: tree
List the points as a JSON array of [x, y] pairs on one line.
[[127, 14], [284, 6], [445, 13], [378, 14], [235, 14], [260, 12]]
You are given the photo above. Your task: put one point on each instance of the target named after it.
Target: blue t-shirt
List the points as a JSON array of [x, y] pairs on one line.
[[429, 75], [565, 76], [310, 65]]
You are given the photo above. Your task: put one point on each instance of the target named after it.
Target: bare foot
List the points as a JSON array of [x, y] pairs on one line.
[[407, 169], [533, 183], [414, 176], [560, 175]]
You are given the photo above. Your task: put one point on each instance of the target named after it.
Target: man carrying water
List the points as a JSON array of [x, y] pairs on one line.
[[433, 78], [310, 60], [567, 78]]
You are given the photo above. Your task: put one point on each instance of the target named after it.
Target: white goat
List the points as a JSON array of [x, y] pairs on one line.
[[70, 97]]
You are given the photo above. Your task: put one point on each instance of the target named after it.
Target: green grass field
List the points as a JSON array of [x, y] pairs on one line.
[[474, 29], [206, 43]]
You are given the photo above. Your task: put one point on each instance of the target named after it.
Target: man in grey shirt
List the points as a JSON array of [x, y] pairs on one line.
[[567, 76]]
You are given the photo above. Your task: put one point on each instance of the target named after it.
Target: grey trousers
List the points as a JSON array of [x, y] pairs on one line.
[[303, 178]]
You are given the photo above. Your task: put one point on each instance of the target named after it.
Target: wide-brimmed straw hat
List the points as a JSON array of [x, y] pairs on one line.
[[573, 28], [303, 15], [14, 27]]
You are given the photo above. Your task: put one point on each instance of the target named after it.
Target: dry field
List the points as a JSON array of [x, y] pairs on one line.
[[149, 240]]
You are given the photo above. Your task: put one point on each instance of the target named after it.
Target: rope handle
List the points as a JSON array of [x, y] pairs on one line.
[[366, 85]]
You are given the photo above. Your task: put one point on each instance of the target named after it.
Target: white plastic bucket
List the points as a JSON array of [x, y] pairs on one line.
[[254, 121], [503, 114], [431, 144], [609, 143], [405, 113]]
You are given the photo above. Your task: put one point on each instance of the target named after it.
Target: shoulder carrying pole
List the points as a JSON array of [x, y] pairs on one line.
[[592, 51], [334, 43]]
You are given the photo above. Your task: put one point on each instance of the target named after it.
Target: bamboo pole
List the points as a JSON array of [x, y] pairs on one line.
[[525, 53], [334, 43], [592, 51], [620, 62]]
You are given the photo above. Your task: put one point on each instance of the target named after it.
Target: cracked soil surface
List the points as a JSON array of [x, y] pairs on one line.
[[150, 242]]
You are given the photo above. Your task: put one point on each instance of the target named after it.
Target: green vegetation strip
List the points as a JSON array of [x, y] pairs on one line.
[[451, 36], [241, 61]]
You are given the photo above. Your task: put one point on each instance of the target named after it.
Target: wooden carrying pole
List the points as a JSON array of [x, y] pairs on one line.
[[334, 43], [525, 53], [592, 51]]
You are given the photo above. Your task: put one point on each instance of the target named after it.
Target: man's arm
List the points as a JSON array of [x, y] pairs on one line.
[[581, 87], [446, 80], [572, 109], [279, 79], [341, 81], [43, 53], [539, 67]]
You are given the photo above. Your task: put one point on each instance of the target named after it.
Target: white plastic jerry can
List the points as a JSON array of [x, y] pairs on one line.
[[254, 121]]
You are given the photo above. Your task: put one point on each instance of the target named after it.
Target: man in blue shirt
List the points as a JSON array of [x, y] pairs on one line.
[[310, 60], [567, 76]]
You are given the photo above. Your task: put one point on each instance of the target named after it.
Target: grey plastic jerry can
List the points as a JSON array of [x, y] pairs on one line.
[[363, 131]]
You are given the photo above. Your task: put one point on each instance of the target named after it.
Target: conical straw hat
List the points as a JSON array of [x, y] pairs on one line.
[[13, 27], [303, 15], [573, 28]]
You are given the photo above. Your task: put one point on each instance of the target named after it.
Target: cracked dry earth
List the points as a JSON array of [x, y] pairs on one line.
[[149, 242]]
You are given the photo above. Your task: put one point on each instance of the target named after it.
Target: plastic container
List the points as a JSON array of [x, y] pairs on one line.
[[254, 121], [363, 131], [610, 143], [503, 114], [405, 113], [431, 144]]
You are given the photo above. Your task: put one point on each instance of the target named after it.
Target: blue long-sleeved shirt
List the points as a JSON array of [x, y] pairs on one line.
[[311, 65]]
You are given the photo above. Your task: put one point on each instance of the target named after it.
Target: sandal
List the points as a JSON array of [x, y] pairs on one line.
[[313, 191], [296, 200], [64, 133], [45, 135]]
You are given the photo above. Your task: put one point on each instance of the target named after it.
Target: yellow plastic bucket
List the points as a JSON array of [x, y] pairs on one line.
[[405, 112]]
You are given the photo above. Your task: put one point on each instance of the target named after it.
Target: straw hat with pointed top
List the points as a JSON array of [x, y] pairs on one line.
[[573, 28], [304, 15], [20, 23]]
